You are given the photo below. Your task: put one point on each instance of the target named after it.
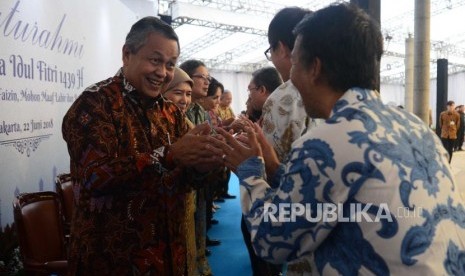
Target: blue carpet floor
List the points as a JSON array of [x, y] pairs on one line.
[[231, 257]]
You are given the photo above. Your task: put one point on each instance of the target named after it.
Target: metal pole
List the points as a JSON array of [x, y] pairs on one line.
[[422, 59], [441, 90], [409, 73]]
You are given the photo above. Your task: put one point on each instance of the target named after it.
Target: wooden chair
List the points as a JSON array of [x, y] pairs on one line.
[[64, 189], [38, 219]]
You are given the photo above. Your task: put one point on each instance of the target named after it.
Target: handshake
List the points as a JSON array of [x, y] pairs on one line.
[[206, 149]]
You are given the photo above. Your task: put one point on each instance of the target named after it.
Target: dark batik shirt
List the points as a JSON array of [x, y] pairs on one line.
[[128, 216]]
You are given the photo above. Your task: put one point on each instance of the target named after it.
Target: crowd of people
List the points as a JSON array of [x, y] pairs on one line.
[[152, 149]]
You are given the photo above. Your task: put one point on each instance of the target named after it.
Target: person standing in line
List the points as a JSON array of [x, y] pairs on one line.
[[284, 116], [198, 72], [133, 162], [226, 113], [211, 102], [179, 91], [264, 81], [449, 122], [262, 85], [213, 189], [225, 110], [365, 164], [461, 129], [249, 114]]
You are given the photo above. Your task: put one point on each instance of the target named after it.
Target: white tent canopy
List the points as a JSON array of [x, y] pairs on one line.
[[230, 37]]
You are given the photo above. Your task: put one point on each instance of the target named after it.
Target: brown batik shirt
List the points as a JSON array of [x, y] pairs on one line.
[[129, 213]]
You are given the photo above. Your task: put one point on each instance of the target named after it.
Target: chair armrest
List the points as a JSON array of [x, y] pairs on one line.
[[60, 267]]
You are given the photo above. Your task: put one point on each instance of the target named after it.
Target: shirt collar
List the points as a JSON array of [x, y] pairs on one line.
[[131, 92], [354, 96]]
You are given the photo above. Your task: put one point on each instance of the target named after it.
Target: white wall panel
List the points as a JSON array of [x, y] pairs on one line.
[[40, 78]]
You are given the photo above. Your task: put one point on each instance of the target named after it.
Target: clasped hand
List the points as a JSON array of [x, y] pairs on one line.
[[190, 150], [233, 150]]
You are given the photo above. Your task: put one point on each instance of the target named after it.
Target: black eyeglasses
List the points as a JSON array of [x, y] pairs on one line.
[[268, 53], [207, 78]]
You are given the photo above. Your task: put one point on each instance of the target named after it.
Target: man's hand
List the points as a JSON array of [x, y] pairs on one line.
[[233, 152], [269, 154], [227, 122], [237, 125], [190, 150]]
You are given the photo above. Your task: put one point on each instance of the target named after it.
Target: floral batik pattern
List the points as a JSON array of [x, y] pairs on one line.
[[398, 209], [284, 118], [129, 214]]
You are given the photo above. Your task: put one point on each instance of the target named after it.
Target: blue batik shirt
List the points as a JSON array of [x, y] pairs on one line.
[[367, 192]]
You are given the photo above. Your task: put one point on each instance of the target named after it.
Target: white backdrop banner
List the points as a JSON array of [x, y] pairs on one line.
[[50, 50]]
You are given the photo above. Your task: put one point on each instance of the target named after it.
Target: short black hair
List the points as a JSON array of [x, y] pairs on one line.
[[450, 103], [348, 43], [282, 25], [213, 86], [139, 32], [189, 66], [268, 77]]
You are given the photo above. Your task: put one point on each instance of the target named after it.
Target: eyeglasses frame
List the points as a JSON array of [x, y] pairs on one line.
[[268, 53], [207, 78]]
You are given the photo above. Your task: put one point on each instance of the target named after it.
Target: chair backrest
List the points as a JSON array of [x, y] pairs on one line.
[[64, 188], [38, 220]]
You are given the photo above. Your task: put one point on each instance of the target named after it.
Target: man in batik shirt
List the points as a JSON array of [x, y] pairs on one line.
[[367, 192], [284, 117], [131, 163], [449, 122]]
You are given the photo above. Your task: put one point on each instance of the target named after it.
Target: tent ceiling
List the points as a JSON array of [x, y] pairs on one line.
[[230, 35]]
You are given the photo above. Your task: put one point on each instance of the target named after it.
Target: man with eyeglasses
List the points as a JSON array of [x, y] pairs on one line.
[[283, 128], [284, 116], [264, 81]]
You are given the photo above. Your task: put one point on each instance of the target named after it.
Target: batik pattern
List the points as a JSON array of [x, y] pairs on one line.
[[128, 216], [380, 158], [284, 118]]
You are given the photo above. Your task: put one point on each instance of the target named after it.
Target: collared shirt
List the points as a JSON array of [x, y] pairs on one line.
[[449, 122], [128, 214], [284, 119], [392, 205], [196, 114], [225, 112]]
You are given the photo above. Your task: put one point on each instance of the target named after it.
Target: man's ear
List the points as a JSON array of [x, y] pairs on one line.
[[262, 90], [281, 51], [125, 53], [315, 71], [285, 50]]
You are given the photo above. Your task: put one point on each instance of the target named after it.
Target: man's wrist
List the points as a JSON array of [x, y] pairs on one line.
[[170, 161], [271, 168], [163, 159], [253, 166]]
